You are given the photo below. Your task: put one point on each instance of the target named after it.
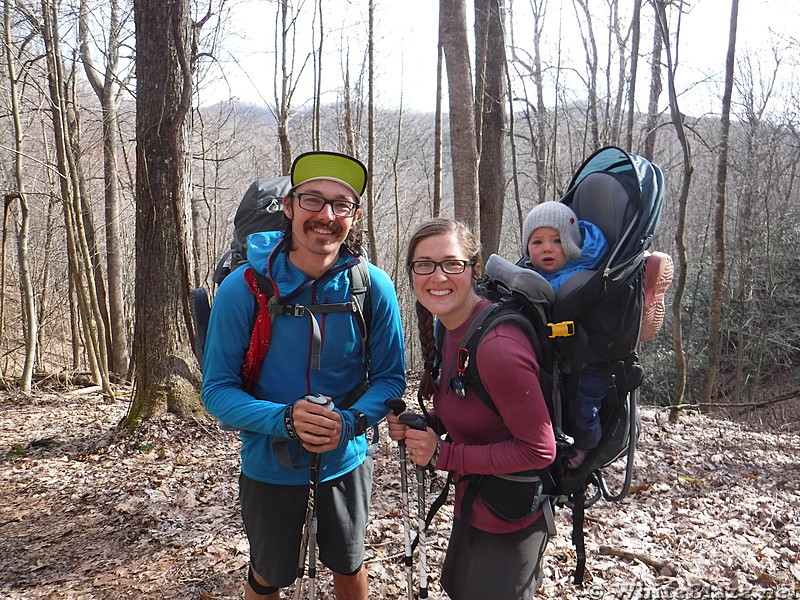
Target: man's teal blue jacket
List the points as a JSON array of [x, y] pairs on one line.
[[286, 373]]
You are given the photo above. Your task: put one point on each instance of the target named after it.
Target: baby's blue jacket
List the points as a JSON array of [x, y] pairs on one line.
[[593, 252]]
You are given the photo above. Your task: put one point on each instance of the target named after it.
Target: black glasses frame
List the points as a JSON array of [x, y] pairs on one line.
[[352, 207], [463, 264]]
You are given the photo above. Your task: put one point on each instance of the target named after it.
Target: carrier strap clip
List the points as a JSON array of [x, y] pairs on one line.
[[562, 329]]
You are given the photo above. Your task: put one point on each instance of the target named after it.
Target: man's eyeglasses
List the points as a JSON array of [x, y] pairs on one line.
[[314, 203], [450, 266]]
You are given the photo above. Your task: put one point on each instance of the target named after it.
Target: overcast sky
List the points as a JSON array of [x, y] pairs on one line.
[[406, 37]]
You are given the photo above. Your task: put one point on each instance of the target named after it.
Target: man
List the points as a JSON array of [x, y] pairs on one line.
[[311, 351]]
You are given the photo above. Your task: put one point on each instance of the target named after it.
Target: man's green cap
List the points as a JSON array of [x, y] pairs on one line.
[[330, 165]]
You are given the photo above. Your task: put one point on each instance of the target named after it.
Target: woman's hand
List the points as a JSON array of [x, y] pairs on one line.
[[421, 445], [317, 427]]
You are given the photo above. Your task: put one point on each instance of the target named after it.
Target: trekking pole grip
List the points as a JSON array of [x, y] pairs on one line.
[[396, 405], [320, 400], [413, 420]]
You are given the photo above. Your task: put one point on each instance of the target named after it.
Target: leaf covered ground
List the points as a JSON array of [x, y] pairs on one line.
[[87, 512]]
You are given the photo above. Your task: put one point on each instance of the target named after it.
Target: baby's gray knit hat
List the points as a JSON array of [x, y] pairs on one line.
[[561, 218]]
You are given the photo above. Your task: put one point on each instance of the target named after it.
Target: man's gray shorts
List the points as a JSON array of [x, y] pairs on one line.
[[273, 518]]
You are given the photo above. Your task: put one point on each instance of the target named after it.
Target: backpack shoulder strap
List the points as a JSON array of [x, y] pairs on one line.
[[491, 317], [262, 289], [264, 292], [360, 293]]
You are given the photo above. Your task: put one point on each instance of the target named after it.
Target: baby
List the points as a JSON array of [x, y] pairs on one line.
[[558, 246]]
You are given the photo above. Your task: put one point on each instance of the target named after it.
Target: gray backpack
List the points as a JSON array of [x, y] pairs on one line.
[[261, 209]]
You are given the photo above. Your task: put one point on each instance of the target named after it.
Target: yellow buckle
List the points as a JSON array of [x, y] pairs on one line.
[[562, 329]]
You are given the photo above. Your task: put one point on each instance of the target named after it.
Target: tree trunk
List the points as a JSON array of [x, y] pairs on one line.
[[106, 91], [536, 114], [371, 225], [284, 88], [166, 372], [715, 312], [590, 48], [397, 269], [540, 144], [491, 65], [655, 81], [437, 130], [463, 148], [635, 35], [512, 132], [316, 125], [683, 199], [26, 284], [617, 109], [93, 327], [85, 223]]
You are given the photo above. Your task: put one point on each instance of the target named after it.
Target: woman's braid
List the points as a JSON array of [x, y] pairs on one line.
[[427, 384]]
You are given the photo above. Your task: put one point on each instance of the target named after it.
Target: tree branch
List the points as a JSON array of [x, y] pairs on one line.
[[658, 565]]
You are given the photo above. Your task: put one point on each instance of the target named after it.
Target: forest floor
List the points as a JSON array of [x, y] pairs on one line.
[[87, 512]]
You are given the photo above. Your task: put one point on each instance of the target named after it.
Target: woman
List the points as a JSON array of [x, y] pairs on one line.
[[487, 556]]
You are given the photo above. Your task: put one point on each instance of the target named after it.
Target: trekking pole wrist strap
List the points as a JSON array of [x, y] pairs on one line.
[[435, 456], [348, 426], [288, 422]]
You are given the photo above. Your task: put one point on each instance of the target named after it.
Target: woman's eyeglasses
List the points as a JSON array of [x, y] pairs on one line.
[[450, 266], [314, 203]]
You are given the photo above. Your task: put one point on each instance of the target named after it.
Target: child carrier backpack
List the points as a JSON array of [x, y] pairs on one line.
[[594, 317], [261, 209]]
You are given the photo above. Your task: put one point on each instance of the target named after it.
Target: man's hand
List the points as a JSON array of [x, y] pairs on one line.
[[319, 428], [397, 430]]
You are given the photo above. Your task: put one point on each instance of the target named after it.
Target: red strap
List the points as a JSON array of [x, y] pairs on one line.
[[260, 338]]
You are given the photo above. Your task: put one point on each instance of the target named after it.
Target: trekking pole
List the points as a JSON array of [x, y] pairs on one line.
[[309, 540], [418, 422], [397, 406]]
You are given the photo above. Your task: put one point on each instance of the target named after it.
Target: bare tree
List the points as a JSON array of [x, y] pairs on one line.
[[540, 147], [619, 35], [71, 189], [756, 163], [490, 67], [284, 68], [463, 145], [107, 89], [683, 200], [31, 320], [316, 124], [437, 128], [535, 112], [635, 37], [590, 47], [371, 225], [715, 312], [655, 81], [166, 373]]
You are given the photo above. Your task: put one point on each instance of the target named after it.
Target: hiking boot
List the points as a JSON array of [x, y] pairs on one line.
[[658, 271]]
